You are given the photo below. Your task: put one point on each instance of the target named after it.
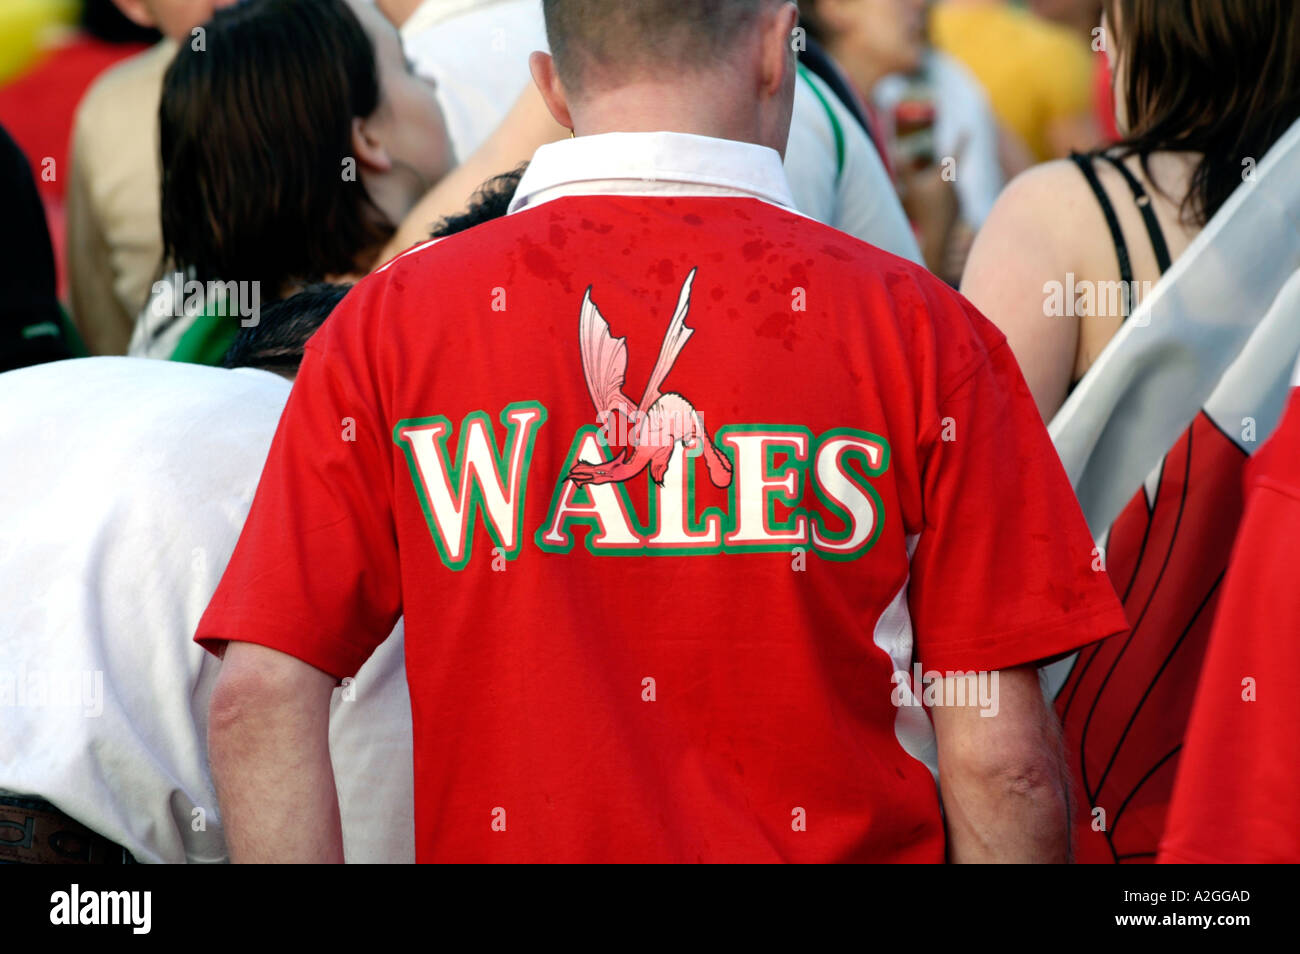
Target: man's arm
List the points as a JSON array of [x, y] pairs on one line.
[[268, 744], [1002, 777]]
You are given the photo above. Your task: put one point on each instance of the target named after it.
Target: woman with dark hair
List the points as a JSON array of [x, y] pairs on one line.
[[295, 141], [1203, 88], [298, 147], [300, 119], [1169, 406]]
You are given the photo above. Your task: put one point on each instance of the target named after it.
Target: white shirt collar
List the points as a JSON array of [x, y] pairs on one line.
[[625, 163]]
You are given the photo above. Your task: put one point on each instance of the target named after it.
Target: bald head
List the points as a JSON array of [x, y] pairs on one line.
[[719, 68], [598, 43]]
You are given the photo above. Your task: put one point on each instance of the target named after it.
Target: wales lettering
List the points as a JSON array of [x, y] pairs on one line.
[[759, 466]]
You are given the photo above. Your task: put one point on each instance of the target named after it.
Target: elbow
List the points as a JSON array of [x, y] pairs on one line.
[[235, 696], [1031, 776], [253, 684], [1026, 769]]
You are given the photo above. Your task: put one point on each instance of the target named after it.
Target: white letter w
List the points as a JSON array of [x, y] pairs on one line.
[[494, 483]]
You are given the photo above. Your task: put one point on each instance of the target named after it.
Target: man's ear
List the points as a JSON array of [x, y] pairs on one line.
[[369, 151], [548, 84], [778, 48], [136, 12]]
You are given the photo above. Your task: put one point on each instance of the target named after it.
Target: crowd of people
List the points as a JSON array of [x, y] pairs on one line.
[[665, 430]]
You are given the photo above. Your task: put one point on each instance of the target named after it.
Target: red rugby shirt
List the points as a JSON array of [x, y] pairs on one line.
[[610, 668]]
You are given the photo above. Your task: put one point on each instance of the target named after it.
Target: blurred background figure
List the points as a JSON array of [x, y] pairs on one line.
[[50, 53], [1038, 76], [1143, 291], [476, 52], [25, 26], [399, 11], [32, 327], [114, 243], [1083, 18], [929, 112]]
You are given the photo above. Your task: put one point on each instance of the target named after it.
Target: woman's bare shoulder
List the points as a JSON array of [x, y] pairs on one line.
[[1037, 235], [1053, 193], [1035, 223]]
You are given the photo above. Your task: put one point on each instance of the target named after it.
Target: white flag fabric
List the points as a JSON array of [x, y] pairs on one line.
[[1155, 439], [1181, 342]]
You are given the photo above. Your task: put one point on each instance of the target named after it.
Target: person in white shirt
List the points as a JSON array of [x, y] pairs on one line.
[[477, 52], [125, 503], [964, 128], [134, 487]]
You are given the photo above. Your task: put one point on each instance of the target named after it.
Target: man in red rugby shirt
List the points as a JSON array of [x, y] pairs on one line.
[[674, 486], [1235, 798]]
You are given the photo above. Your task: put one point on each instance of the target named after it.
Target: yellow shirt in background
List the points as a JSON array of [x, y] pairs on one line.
[[1034, 71], [26, 29]]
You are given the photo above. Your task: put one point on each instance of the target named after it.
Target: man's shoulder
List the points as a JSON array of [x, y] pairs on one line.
[[121, 83], [126, 93], [102, 388], [591, 220], [546, 236]]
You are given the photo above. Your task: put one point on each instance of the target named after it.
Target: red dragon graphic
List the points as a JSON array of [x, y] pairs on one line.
[[656, 425]]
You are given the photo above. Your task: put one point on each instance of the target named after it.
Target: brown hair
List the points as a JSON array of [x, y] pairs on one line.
[[1216, 77], [255, 130], [607, 41]]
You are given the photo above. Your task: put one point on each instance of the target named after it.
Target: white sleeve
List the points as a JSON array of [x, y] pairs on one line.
[[857, 198]]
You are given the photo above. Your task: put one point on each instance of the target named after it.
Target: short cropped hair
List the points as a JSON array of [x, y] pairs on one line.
[[602, 41], [276, 342]]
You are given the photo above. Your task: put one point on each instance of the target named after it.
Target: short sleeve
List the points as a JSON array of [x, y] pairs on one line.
[[1004, 572], [316, 573]]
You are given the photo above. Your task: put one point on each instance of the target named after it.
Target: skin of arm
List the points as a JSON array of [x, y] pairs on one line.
[[526, 128], [268, 745], [1014, 257], [1002, 778]]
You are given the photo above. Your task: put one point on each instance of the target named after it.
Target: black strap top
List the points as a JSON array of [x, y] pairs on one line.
[[1143, 201]]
